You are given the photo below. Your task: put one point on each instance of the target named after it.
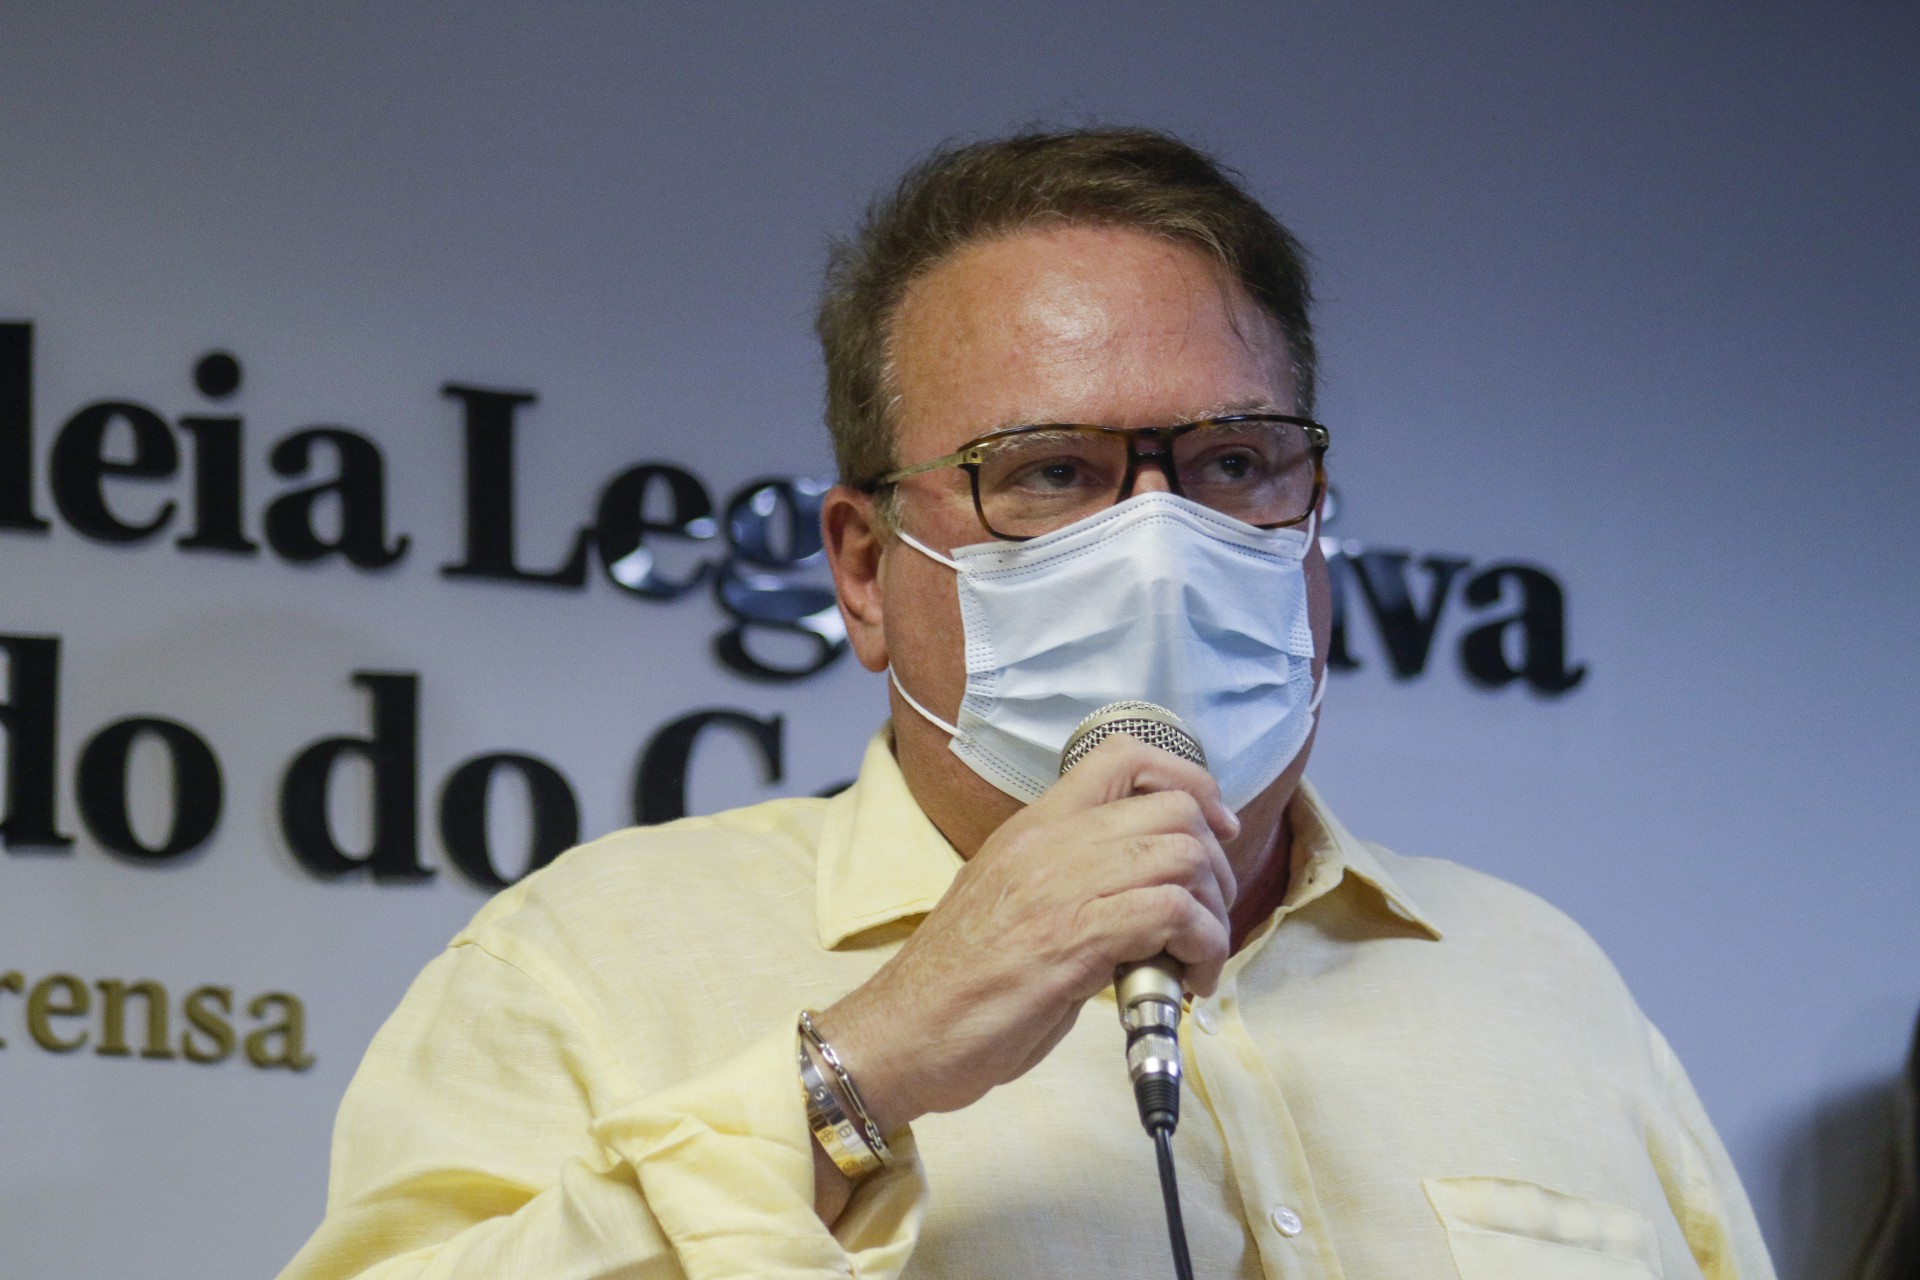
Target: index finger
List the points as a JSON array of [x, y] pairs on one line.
[[1124, 766]]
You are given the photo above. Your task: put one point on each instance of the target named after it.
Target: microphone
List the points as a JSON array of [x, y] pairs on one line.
[[1149, 992]]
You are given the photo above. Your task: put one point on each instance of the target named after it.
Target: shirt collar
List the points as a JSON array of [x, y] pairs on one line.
[[882, 860], [1325, 853]]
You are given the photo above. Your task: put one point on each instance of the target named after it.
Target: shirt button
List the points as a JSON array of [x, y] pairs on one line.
[[1205, 1016], [1285, 1220]]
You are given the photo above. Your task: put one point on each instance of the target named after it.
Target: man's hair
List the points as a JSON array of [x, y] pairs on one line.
[[961, 195]]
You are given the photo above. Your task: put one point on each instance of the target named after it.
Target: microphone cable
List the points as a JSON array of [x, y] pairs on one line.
[[1170, 1192]]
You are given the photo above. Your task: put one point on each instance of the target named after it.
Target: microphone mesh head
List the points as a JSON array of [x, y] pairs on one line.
[[1146, 721]]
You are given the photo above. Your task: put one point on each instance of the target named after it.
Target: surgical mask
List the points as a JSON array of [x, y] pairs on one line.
[[1156, 598]]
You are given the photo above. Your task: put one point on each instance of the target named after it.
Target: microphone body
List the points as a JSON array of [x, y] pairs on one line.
[[1149, 992]]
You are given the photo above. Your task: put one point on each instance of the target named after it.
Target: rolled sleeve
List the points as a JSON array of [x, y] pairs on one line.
[[488, 1134], [725, 1163]]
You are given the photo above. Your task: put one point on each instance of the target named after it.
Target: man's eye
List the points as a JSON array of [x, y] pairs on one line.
[[1042, 465], [1228, 467], [1054, 475]]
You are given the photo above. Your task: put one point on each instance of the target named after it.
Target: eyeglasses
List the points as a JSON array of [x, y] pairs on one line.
[[1266, 469]]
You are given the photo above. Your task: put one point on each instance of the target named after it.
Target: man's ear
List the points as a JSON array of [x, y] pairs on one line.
[[854, 535]]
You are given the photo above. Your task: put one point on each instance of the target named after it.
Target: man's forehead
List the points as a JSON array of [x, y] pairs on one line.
[[1083, 324], [1065, 284]]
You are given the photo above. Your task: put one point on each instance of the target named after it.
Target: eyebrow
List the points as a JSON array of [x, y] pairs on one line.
[[1250, 404], [1219, 409]]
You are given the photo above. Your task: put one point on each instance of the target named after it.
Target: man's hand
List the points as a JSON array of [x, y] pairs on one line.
[[1120, 860]]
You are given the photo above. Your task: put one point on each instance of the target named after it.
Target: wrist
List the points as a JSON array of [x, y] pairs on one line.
[[882, 1078]]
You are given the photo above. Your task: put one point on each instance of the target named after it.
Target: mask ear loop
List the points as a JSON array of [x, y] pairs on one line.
[[926, 550], [1320, 685], [952, 731]]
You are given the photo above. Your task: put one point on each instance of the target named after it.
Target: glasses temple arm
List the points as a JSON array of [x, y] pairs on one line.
[[919, 468]]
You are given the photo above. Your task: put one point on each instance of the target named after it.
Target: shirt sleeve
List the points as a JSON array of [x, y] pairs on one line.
[[486, 1134], [1702, 1186]]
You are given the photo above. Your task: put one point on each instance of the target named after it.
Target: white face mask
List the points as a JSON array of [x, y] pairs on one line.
[[1156, 598]]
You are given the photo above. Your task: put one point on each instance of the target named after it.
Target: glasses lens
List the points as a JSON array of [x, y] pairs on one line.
[[1259, 472], [1033, 482], [1037, 481]]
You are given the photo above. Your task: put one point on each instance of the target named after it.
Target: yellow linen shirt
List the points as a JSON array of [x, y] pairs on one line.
[[1413, 1070]]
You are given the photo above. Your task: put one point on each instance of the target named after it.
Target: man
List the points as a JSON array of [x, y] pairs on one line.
[[1395, 1067]]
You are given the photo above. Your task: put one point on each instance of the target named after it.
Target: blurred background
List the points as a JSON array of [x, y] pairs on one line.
[[1626, 293]]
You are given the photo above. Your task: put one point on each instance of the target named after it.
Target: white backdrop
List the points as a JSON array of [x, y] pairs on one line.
[[1625, 291]]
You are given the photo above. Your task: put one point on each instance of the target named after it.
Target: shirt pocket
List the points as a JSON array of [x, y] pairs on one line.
[[1503, 1229]]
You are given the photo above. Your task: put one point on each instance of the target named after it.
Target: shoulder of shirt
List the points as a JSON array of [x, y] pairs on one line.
[[1482, 911], [762, 848], [1515, 950]]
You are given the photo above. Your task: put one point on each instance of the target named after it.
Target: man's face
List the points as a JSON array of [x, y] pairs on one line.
[[1071, 324]]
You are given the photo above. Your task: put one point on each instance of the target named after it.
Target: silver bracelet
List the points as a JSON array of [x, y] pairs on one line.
[[828, 1118], [832, 1129]]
